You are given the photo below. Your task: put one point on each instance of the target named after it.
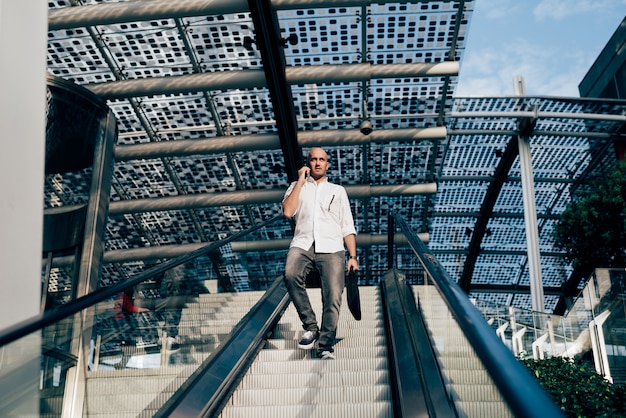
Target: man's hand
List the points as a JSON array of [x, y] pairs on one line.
[[353, 264], [304, 172]]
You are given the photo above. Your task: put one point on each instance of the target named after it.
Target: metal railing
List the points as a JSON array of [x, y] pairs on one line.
[[39, 352], [592, 323], [521, 391]]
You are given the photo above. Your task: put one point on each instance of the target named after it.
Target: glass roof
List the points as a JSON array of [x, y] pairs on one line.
[[190, 73]]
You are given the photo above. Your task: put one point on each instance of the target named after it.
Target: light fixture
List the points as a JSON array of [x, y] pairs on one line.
[[366, 127], [247, 43], [291, 39]]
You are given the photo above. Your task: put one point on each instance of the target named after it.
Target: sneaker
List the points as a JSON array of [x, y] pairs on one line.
[[172, 344], [308, 340], [326, 355]]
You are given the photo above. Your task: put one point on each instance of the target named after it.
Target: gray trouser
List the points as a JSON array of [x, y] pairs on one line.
[[332, 277]]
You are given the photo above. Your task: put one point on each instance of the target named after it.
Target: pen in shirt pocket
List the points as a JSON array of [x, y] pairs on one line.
[[331, 201]]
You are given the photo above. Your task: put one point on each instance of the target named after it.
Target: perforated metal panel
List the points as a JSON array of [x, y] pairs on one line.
[[462, 164]]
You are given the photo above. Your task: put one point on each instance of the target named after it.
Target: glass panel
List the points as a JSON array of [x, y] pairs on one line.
[[614, 327], [20, 375], [540, 335], [140, 345]]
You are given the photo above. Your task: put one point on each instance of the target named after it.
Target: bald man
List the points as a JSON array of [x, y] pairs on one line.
[[324, 224]]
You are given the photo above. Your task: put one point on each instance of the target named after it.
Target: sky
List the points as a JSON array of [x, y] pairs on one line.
[[551, 44]]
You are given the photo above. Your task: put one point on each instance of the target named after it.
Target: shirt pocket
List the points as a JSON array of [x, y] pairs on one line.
[[330, 205]]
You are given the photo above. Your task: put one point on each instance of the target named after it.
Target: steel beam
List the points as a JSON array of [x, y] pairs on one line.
[[268, 41], [173, 251], [238, 143], [138, 11], [257, 197], [486, 209], [256, 78], [144, 10], [517, 114]]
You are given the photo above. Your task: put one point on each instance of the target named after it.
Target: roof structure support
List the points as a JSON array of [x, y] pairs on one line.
[[229, 144], [570, 289], [364, 240], [268, 41], [135, 11], [171, 251], [543, 115], [254, 197], [532, 230], [526, 127], [514, 289], [248, 79], [486, 209], [143, 10]]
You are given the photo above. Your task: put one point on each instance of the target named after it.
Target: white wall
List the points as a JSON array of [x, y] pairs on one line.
[[23, 39]]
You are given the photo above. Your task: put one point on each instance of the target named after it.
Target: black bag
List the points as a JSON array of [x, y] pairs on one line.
[[313, 280], [354, 299]]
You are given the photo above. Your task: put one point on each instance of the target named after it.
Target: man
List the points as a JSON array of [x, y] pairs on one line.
[[323, 224]]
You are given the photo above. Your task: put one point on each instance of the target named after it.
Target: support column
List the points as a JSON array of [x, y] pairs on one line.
[[526, 127], [23, 37]]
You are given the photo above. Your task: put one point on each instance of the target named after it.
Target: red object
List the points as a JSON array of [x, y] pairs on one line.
[[124, 303]]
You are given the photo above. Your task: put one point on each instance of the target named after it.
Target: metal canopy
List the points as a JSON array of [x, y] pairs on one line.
[[217, 100]]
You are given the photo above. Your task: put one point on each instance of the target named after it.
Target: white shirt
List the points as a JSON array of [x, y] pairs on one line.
[[323, 216]]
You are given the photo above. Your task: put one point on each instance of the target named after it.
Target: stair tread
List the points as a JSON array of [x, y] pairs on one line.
[[312, 395], [370, 409], [312, 379]]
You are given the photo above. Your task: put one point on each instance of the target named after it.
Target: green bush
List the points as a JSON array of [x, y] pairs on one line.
[[592, 228], [577, 389]]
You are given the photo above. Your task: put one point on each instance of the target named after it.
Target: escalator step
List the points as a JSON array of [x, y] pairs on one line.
[[371, 409], [318, 366], [303, 394], [355, 378], [341, 351]]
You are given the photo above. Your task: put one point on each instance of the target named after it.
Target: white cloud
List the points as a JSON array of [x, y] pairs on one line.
[[497, 9], [562, 9], [552, 55], [491, 71]]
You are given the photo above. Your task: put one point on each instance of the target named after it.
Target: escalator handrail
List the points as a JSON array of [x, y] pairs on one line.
[[417, 383], [210, 387], [40, 321], [519, 388]]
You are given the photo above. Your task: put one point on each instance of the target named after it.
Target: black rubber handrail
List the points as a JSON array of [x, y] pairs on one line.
[[522, 392], [56, 314], [418, 387], [210, 387]]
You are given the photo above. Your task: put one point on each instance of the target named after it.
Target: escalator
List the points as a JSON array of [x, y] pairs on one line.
[[285, 381], [136, 381], [415, 352]]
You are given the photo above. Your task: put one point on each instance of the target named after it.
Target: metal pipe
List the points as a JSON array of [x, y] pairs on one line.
[[254, 197], [135, 11], [526, 127], [144, 10], [343, 73], [172, 251], [249, 79], [221, 145], [536, 132], [540, 115], [218, 80]]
